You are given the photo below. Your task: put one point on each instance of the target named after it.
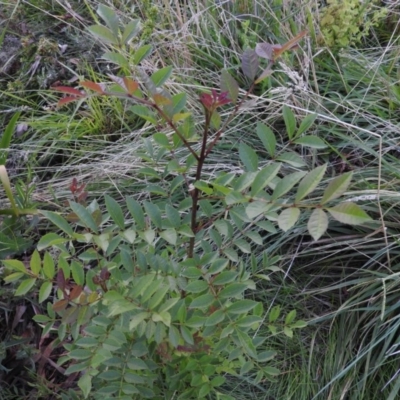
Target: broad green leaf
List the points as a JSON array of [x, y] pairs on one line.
[[50, 239], [168, 304], [103, 33], [264, 177], [131, 30], [141, 53], [244, 181], [173, 216], [78, 272], [255, 237], [216, 120], [44, 291], [288, 332], [232, 290], [249, 320], [185, 230], [235, 198], [242, 306], [218, 266], [151, 289], [191, 272], [16, 276], [161, 76], [274, 314], [15, 265], [290, 317], [59, 221], [228, 84], [246, 367], [204, 390], [116, 58], [174, 336], [158, 297], [266, 356], [248, 157], [267, 226], [267, 137], [337, 187], [84, 216], [109, 16], [85, 384], [178, 102], [292, 159], [196, 286], [247, 343], [204, 187], [290, 121], [129, 235], [164, 317], [35, 263], [144, 112], [349, 213], [162, 140], [287, 183], [272, 371], [225, 277], [102, 241], [202, 301], [256, 208], [243, 245], [231, 254], [110, 375], [288, 218], [154, 213], [48, 266], [218, 381], [136, 211], [25, 286], [180, 116], [318, 223], [250, 64], [306, 124], [215, 318], [115, 211], [310, 182], [311, 141], [170, 236], [137, 319], [299, 324]]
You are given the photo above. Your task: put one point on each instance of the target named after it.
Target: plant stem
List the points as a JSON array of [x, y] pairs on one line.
[[195, 192]]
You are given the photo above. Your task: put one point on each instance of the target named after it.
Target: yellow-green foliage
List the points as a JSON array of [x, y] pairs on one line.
[[343, 23]]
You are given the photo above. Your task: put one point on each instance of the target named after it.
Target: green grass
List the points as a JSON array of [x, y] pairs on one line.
[[345, 284]]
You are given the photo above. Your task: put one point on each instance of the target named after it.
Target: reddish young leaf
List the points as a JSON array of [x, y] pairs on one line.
[[60, 305], [160, 100], [73, 187], [105, 274], [92, 86], [130, 85], [66, 100], [250, 63], [69, 90], [61, 283], [82, 197], [290, 45], [75, 292]]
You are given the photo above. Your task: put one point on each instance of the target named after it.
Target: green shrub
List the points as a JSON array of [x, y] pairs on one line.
[[343, 23], [159, 296]]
